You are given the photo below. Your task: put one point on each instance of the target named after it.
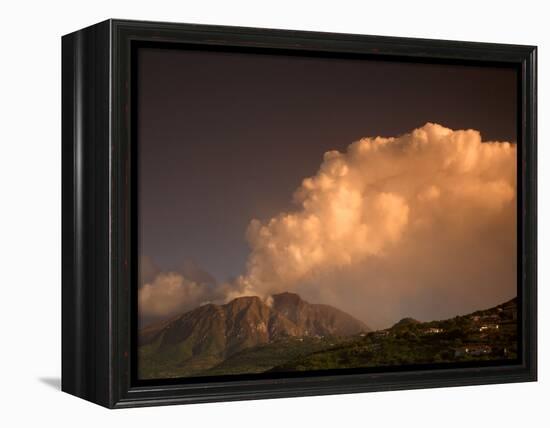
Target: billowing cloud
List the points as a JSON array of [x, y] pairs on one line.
[[418, 225], [163, 294], [168, 294]]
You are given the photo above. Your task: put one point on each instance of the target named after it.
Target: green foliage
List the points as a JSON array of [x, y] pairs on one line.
[[409, 343], [264, 357]]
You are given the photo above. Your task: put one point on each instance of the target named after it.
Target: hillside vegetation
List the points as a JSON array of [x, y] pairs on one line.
[[247, 336], [480, 336]]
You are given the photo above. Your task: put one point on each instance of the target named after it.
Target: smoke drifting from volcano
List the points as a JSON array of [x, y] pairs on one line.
[[419, 225]]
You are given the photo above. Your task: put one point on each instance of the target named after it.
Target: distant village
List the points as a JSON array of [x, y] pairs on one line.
[[479, 331]]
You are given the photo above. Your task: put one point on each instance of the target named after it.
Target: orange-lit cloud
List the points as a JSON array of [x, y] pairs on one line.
[[168, 293], [418, 225]]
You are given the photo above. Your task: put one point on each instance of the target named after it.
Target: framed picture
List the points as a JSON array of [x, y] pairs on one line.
[[252, 213]]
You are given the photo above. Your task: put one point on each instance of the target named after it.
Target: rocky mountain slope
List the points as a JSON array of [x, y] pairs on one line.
[[204, 337]]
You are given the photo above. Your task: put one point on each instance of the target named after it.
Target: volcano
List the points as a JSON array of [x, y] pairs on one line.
[[204, 337]]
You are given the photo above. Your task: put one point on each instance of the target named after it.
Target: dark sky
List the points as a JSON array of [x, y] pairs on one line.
[[227, 137]]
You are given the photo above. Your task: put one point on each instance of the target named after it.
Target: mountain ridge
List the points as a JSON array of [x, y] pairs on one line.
[[205, 336]]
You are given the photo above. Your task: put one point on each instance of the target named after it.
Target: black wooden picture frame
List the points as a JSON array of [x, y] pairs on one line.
[[99, 205]]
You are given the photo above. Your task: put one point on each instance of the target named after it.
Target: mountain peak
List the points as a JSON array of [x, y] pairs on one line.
[[287, 299], [244, 301], [287, 296], [315, 319]]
